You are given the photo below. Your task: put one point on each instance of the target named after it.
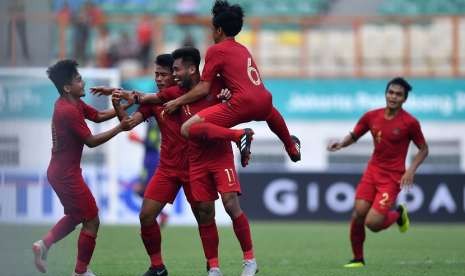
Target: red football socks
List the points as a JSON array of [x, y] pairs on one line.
[[151, 237], [277, 124], [357, 237], [60, 230], [391, 217], [242, 230], [86, 245], [209, 131], [210, 243]]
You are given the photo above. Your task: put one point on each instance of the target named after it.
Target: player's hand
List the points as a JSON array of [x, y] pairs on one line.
[[101, 90], [116, 97], [407, 180], [224, 95], [126, 124], [334, 146], [171, 106]]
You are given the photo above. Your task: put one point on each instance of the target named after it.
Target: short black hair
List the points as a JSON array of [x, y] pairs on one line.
[[189, 55], [229, 17], [62, 73], [165, 60], [402, 82]]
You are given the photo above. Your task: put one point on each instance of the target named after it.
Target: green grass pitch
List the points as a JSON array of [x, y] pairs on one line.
[[281, 249]]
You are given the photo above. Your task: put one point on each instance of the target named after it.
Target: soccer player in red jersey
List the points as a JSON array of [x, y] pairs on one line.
[[69, 134], [212, 170], [250, 99], [392, 129], [172, 171]]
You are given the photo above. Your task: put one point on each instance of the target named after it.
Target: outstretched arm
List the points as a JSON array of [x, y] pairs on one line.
[[96, 140], [407, 178], [130, 96], [346, 141], [199, 91]]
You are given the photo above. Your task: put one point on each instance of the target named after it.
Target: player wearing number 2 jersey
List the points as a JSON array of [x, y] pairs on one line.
[[392, 129], [250, 99]]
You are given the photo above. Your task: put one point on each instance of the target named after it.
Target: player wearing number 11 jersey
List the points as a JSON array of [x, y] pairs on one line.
[[250, 101], [392, 129]]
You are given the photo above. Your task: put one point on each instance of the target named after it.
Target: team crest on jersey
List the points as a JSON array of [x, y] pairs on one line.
[[396, 131]]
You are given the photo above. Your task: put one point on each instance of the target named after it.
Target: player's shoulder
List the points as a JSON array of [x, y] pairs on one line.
[[171, 89], [64, 106], [407, 117], [374, 112]]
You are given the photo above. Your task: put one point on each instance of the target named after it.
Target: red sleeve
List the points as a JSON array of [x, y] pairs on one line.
[[362, 126], [169, 93], [145, 110], [415, 133], [90, 113], [76, 123], [213, 64]]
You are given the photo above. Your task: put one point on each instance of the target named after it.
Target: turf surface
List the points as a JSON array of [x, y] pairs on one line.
[[281, 249]]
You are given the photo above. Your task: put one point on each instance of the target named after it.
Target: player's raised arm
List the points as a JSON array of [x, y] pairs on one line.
[[199, 91]]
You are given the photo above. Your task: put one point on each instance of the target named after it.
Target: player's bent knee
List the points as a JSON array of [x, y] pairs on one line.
[[373, 226]]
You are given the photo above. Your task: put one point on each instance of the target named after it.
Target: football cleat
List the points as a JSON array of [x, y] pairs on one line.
[[403, 221], [249, 268], [215, 271], [355, 263], [40, 255], [87, 273], [244, 144], [156, 271], [294, 152]]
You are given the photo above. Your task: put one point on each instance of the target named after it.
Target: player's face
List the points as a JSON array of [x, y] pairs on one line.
[[181, 73], [163, 77], [76, 87], [395, 96]]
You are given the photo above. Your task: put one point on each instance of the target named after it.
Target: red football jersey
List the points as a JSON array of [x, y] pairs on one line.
[[173, 146], [233, 62], [201, 153], [391, 138], [69, 130]]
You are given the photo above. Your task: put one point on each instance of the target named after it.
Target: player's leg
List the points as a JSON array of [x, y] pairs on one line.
[[60, 230], [242, 230], [208, 235], [291, 143], [86, 246], [214, 123], [151, 235], [381, 215], [162, 188], [357, 232]]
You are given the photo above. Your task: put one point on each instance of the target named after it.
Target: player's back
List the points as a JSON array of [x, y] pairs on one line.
[[237, 68]]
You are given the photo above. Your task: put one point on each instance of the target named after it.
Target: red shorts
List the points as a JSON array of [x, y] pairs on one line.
[[209, 179], [380, 188], [165, 184], [237, 111], [76, 197]]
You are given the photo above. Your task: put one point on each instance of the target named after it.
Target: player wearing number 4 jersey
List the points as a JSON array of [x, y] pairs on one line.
[[250, 99], [392, 129]]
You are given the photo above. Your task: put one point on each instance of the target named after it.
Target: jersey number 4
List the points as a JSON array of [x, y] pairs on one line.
[[252, 72]]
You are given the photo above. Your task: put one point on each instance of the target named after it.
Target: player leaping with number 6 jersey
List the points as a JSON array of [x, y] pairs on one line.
[[250, 99]]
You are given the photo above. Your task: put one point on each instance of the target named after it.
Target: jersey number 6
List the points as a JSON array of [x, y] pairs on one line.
[[254, 78]]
